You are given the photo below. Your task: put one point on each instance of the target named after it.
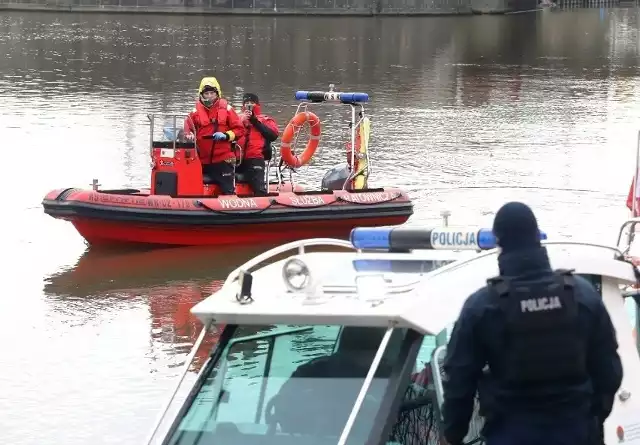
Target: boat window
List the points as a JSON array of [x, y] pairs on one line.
[[632, 307], [595, 280], [279, 385], [398, 266], [416, 422], [418, 418]]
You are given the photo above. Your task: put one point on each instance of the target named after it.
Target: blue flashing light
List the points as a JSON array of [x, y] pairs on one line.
[[487, 240], [447, 238], [302, 95], [354, 97], [371, 237]]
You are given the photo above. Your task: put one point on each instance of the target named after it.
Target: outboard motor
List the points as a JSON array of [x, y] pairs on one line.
[[335, 178]]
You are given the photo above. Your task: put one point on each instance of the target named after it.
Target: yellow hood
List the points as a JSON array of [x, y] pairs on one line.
[[212, 82]]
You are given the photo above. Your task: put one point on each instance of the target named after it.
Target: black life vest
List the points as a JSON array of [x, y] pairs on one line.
[[543, 341]]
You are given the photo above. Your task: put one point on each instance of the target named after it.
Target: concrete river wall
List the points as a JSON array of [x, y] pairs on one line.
[[307, 7], [276, 7]]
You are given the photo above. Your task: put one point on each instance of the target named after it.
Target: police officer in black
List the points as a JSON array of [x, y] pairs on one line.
[[545, 342]]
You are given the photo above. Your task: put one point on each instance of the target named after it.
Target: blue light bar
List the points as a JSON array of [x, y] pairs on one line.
[[332, 96], [401, 238]]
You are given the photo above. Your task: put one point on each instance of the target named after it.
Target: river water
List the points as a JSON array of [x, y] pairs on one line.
[[468, 112]]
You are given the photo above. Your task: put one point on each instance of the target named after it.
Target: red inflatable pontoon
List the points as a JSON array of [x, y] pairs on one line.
[[184, 208]]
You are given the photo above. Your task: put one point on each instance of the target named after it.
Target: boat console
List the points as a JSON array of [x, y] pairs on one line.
[[346, 346], [175, 166]]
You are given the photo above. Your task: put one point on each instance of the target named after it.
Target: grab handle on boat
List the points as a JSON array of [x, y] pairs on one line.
[[300, 245]]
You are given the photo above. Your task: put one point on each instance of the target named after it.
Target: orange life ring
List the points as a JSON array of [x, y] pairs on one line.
[[297, 121]]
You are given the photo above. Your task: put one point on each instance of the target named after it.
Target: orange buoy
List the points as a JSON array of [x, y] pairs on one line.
[[297, 121]]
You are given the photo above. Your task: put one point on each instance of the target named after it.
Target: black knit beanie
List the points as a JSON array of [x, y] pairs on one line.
[[516, 228], [250, 97]]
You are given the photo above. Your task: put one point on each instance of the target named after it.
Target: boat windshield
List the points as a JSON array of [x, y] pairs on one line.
[[276, 385]]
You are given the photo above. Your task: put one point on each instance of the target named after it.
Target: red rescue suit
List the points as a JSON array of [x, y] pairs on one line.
[[253, 142], [220, 117]]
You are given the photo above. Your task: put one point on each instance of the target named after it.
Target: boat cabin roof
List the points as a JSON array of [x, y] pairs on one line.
[[422, 290]]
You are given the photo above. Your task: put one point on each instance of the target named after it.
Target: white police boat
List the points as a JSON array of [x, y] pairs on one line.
[[345, 347]]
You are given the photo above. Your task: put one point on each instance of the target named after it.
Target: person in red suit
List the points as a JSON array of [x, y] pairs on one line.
[[215, 125], [260, 131]]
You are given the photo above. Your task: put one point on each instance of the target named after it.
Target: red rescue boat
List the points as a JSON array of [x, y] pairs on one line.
[[183, 207]]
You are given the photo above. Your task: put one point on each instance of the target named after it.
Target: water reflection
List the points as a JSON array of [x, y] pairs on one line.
[[101, 271], [169, 282]]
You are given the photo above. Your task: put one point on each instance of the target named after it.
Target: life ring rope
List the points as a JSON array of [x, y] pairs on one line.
[[291, 133]]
